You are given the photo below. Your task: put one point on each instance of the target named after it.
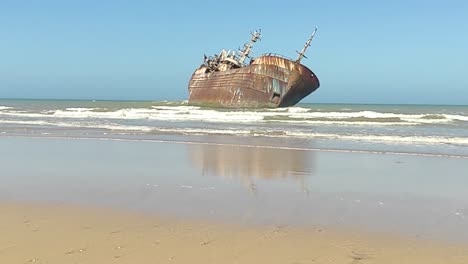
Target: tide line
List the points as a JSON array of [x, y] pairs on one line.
[[184, 142]]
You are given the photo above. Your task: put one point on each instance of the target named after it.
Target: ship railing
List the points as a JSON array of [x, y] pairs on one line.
[[277, 55]]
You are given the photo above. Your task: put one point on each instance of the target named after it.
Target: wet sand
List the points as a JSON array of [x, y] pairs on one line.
[[107, 201], [64, 234]]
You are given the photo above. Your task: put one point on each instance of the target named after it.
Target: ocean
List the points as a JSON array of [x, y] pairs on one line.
[[416, 129], [397, 169]]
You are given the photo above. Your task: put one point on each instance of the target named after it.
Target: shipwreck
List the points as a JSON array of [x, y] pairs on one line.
[[270, 80]]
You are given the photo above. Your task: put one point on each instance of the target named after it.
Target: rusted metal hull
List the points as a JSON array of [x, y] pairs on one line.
[[269, 81]]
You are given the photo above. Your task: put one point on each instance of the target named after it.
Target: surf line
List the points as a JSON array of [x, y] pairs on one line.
[[183, 142]]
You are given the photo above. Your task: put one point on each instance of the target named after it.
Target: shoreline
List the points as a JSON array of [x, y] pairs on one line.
[[91, 200], [64, 234], [182, 142]]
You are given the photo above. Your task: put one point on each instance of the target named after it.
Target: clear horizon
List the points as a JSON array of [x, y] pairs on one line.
[[150, 100], [364, 53]]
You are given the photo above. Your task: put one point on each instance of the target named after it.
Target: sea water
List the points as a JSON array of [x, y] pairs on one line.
[[316, 164], [419, 129]]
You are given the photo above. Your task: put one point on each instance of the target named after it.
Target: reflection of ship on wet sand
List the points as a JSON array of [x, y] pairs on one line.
[[248, 163]]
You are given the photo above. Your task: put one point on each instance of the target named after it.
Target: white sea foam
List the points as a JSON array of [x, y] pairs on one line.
[[79, 125], [298, 110], [178, 113], [294, 109], [384, 138], [176, 108], [388, 139], [4, 107], [344, 122], [190, 113], [81, 109], [285, 115], [418, 118], [23, 114], [457, 117]]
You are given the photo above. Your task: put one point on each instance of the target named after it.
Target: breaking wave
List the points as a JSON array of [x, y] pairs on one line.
[[389, 139], [4, 107], [284, 115], [390, 127]]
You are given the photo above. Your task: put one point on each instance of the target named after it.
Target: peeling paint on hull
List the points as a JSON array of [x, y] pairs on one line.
[[269, 81]]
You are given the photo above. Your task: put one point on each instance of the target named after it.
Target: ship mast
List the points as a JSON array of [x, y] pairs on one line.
[[248, 47], [304, 49]]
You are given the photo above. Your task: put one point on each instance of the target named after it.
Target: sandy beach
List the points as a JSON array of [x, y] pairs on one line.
[[63, 234], [221, 132], [125, 201]]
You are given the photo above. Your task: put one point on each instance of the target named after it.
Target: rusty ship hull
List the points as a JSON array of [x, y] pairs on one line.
[[268, 81]]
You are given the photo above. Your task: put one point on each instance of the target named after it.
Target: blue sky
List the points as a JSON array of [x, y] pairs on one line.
[[364, 52]]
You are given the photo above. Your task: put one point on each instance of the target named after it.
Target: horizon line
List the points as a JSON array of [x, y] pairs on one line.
[[175, 100]]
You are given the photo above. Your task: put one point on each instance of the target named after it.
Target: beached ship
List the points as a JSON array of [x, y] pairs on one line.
[[270, 80]]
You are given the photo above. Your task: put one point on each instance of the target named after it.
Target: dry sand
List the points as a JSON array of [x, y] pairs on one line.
[[59, 234]]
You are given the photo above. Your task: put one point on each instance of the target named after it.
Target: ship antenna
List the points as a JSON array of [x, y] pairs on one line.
[[304, 49], [248, 47]]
